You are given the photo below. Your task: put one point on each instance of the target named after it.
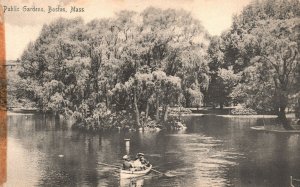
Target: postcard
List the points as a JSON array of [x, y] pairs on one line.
[[149, 93]]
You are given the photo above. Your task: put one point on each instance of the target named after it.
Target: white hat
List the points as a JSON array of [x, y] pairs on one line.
[[125, 157]]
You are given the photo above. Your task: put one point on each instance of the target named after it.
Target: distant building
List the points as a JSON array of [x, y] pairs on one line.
[[12, 68]]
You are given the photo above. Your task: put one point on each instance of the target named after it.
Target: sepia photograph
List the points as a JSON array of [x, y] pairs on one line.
[[150, 93]]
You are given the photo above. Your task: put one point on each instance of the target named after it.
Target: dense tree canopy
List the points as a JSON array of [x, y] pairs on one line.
[[264, 47], [134, 62], [141, 64]]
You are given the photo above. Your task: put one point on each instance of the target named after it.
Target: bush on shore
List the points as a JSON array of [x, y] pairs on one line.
[[179, 110], [125, 121], [243, 111]]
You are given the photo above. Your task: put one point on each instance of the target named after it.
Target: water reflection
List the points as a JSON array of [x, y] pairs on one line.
[[203, 160], [213, 151], [135, 182]]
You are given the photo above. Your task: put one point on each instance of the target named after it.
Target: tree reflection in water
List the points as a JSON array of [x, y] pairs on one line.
[[133, 182]]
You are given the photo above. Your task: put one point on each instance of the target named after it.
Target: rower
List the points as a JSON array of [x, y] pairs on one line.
[[143, 160], [140, 163], [137, 163], [127, 164]]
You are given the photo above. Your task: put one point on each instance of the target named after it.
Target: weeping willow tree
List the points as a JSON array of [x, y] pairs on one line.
[[133, 63]]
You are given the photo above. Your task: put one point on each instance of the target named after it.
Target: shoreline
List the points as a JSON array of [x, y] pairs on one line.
[[18, 112], [248, 116], [263, 129]]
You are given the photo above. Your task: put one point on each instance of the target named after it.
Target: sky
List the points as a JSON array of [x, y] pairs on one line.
[[23, 27]]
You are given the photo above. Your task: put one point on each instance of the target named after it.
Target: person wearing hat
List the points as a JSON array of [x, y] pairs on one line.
[[143, 160], [140, 163], [126, 163], [137, 163]]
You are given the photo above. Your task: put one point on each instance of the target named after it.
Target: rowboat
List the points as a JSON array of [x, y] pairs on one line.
[[125, 174]]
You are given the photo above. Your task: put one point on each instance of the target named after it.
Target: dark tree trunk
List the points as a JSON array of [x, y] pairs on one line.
[[187, 101], [147, 110], [221, 105], [136, 108], [157, 110], [283, 120], [106, 98], [106, 102], [297, 109], [56, 116]]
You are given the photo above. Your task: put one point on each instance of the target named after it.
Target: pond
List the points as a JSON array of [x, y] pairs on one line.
[[212, 151]]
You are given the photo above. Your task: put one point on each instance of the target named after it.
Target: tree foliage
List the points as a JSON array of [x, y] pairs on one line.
[[134, 62], [141, 64], [264, 44]]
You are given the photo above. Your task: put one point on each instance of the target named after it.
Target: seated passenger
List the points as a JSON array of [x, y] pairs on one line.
[[127, 164], [137, 164], [140, 163]]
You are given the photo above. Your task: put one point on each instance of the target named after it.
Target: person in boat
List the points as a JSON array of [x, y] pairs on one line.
[[140, 163], [143, 160], [137, 164], [127, 165]]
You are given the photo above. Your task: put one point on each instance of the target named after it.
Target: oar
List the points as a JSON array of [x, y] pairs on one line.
[[164, 174], [110, 165], [157, 171]]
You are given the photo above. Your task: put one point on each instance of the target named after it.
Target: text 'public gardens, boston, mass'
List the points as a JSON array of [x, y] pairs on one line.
[[48, 9]]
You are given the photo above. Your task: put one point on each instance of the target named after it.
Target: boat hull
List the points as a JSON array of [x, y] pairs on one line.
[[125, 174]]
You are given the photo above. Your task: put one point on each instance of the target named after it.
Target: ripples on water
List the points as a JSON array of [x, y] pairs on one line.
[[205, 162], [213, 152]]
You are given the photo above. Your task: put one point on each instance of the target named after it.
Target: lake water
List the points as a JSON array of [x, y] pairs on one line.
[[212, 151]]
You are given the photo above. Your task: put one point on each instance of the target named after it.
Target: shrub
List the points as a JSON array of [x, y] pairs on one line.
[[177, 110], [243, 111]]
